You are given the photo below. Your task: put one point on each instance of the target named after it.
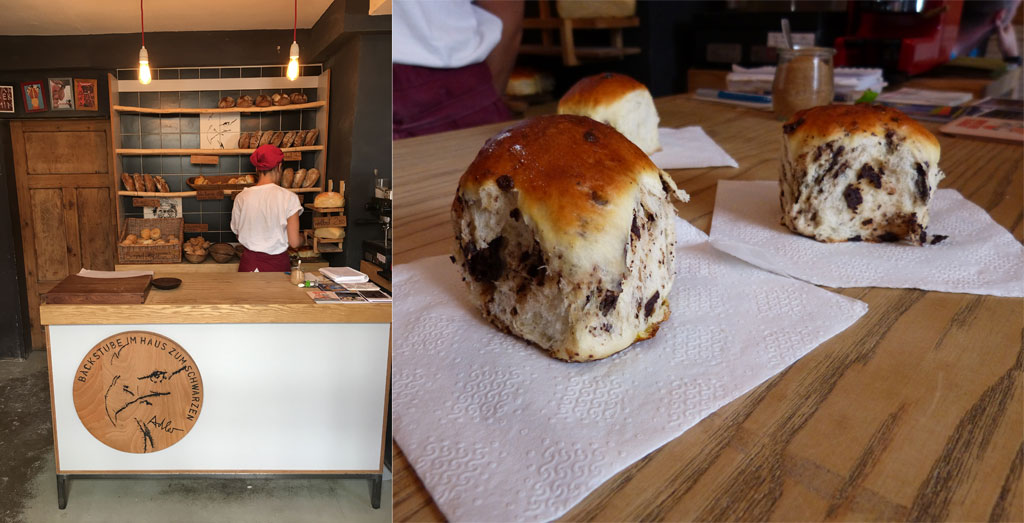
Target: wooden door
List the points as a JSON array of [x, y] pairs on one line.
[[66, 201]]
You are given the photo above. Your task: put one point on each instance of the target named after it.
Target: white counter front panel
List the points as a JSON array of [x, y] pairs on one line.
[[277, 397]]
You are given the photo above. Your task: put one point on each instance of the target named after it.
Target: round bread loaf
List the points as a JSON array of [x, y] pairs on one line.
[[857, 173], [619, 101], [564, 235]]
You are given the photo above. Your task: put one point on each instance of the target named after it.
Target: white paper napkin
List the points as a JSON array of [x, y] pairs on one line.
[[689, 147], [498, 431], [978, 257]]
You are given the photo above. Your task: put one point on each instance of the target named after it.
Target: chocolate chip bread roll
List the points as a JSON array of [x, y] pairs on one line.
[[564, 235], [857, 173], [618, 101]]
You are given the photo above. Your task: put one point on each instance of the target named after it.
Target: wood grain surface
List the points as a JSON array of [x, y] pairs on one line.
[[220, 297], [913, 413], [138, 392]]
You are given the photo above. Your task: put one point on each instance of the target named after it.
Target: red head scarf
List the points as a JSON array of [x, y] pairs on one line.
[[266, 157]]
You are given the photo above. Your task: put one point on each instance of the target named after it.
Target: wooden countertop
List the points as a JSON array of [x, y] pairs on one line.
[[914, 412], [220, 297], [208, 265]]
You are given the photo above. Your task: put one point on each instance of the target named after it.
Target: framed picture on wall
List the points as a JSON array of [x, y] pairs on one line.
[[6, 98], [86, 95], [34, 96], [62, 94]]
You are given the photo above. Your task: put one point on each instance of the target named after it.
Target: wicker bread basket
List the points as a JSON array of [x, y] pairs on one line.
[[163, 253]]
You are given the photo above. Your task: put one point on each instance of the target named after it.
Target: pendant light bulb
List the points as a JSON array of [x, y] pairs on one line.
[[145, 76], [293, 61]]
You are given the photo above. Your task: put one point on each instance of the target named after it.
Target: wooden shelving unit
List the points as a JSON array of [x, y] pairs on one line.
[[548, 24], [215, 152], [206, 110], [326, 217], [322, 107]]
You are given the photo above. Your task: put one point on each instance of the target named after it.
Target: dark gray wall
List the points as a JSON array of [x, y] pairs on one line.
[[360, 135], [14, 334]]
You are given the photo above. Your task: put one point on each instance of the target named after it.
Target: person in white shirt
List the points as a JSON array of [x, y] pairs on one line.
[[266, 216]]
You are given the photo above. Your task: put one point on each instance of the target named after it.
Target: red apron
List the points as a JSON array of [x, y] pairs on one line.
[[252, 260], [427, 100]]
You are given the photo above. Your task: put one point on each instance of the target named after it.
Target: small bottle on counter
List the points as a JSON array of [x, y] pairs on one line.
[[297, 278]]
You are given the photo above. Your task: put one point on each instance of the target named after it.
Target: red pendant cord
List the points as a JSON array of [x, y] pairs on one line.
[[143, 17]]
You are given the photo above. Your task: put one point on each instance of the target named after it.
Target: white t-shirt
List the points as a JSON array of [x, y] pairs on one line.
[[260, 217], [443, 34]]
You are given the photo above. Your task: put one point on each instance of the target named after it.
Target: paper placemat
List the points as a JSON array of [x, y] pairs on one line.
[[499, 431], [689, 147], [978, 257]]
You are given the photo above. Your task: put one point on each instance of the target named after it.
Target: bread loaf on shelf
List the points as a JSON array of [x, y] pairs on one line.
[[226, 102], [263, 101], [276, 139], [150, 183], [244, 101], [129, 184], [312, 176], [311, 137], [243, 140], [298, 98], [300, 176], [281, 99], [300, 138], [330, 198], [265, 138], [288, 139], [287, 177]]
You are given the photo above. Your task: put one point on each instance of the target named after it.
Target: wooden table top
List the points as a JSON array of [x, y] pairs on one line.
[[914, 412], [220, 297]]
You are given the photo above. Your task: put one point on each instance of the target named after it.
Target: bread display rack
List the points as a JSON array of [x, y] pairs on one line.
[[324, 217], [320, 82]]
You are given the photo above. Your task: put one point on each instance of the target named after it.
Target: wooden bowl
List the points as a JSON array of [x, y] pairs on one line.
[[194, 258], [222, 252]]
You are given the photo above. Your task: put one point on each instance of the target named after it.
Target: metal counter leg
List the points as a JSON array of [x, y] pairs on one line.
[[375, 484], [62, 491]]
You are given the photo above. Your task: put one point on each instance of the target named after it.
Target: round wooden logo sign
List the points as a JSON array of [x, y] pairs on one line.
[[138, 392]]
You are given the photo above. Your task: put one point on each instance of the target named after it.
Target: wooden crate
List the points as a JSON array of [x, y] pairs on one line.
[[167, 253]]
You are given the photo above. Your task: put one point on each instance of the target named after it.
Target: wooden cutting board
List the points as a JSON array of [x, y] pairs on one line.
[[80, 289]]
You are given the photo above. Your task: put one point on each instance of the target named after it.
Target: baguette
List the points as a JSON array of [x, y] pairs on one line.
[[289, 138], [287, 177], [162, 184], [311, 178], [129, 184], [150, 183], [300, 176], [311, 136]]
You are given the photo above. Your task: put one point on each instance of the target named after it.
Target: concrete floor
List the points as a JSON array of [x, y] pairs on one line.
[[28, 491]]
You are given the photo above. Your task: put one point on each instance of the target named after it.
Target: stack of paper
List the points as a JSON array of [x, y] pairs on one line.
[[344, 275], [850, 82]]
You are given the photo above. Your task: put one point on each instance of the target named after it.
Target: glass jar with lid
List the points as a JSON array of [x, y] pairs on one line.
[[803, 79]]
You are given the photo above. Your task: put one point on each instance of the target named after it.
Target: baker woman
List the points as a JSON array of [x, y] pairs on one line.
[[266, 216]]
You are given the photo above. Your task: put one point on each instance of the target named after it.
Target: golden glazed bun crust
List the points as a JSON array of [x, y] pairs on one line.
[[600, 89], [824, 123], [576, 178]]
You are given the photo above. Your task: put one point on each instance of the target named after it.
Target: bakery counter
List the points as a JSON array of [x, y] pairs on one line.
[[229, 374], [208, 265]]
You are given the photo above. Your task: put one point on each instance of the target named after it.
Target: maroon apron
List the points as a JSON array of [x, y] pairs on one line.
[[252, 260], [427, 100]]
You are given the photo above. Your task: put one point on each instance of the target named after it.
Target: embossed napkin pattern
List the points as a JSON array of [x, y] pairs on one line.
[[978, 257], [498, 431]]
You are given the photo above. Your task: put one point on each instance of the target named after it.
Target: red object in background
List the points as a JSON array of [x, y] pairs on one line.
[[887, 35]]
